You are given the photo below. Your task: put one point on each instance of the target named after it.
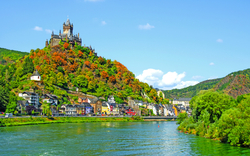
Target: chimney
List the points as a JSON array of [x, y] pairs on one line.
[[78, 35], [59, 32]]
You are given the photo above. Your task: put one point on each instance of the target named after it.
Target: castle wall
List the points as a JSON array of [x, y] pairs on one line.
[[54, 42]]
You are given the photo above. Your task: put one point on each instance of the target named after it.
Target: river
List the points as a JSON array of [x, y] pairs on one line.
[[109, 138]]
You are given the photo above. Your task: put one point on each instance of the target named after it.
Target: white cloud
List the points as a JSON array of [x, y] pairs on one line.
[[219, 40], [104, 23], [184, 84], [213, 77], [48, 31], [197, 77], [37, 28], [146, 27], [160, 80], [211, 64]]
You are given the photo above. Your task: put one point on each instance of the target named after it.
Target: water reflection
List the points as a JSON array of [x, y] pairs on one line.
[[116, 138]]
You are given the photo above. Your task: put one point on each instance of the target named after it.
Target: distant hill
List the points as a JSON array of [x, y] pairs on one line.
[[234, 84], [191, 91], [10, 56]]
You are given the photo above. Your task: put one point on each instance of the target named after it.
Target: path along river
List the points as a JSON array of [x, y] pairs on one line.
[[109, 138]]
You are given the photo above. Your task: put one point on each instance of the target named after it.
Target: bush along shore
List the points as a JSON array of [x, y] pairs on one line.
[[219, 117], [42, 120]]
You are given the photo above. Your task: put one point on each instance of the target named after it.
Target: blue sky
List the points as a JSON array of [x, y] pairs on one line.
[[168, 44]]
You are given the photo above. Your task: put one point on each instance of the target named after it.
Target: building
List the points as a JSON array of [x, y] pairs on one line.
[[83, 100], [36, 77], [182, 101], [114, 108], [66, 36], [105, 108], [111, 99], [50, 98], [97, 106], [161, 93], [31, 97], [21, 106]]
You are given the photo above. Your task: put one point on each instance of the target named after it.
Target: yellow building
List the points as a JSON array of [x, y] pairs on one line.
[[105, 108]]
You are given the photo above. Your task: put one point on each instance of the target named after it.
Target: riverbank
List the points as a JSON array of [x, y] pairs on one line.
[[5, 122]]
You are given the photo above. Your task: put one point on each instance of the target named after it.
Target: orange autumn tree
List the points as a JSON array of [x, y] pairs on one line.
[[65, 45], [87, 63], [59, 58], [112, 79], [104, 74], [93, 66], [80, 54]]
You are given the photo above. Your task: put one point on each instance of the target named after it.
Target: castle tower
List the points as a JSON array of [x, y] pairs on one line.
[[46, 43], [67, 27]]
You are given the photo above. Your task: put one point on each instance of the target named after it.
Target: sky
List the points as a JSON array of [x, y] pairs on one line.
[[168, 44]]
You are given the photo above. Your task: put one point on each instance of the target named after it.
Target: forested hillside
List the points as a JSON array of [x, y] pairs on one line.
[[62, 68], [10, 56], [234, 84], [191, 91]]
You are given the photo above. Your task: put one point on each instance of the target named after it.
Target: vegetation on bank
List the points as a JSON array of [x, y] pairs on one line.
[[43, 120], [218, 116]]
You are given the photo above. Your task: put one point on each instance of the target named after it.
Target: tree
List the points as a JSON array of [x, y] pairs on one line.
[[65, 45], [28, 66], [4, 98], [81, 81], [46, 109], [11, 107], [104, 74], [87, 63], [213, 102], [112, 79], [60, 79]]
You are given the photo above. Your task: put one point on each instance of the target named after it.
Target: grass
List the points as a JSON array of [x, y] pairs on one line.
[[5, 122]]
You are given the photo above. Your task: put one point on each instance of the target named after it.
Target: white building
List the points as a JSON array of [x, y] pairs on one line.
[[36, 77], [111, 99], [182, 101], [31, 97]]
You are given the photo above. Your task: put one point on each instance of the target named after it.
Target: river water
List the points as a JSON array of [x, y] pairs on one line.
[[109, 138]]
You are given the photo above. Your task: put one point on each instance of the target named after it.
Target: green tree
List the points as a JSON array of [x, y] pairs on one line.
[[4, 98], [12, 104], [213, 102], [28, 66], [46, 109], [81, 81]]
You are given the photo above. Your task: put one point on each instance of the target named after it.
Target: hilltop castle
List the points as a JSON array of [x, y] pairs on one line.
[[67, 35]]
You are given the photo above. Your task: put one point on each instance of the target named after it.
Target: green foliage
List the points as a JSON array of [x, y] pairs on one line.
[[10, 56], [181, 117], [231, 124], [213, 102], [28, 66]]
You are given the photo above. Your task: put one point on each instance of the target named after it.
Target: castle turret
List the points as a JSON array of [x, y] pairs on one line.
[[46, 43]]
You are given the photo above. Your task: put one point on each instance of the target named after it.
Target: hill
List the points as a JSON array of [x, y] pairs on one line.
[[234, 84], [191, 91], [64, 71], [10, 56]]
